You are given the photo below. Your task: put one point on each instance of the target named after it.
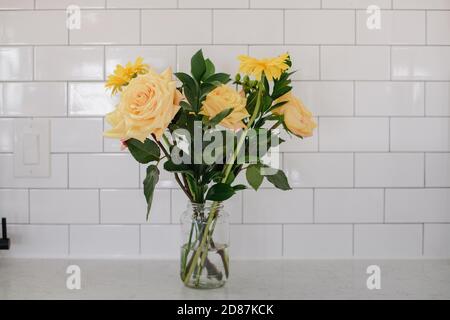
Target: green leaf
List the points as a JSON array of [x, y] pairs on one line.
[[279, 180], [281, 92], [254, 177], [222, 78], [277, 105], [220, 192], [239, 187], [212, 122], [198, 65], [210, 69], [186, 79], [180, 168], [190, 88], [266, 102], [143, 152], [211, 175], [186, 106], [206, 88], [266, 84], [150, 182], [191, 95]]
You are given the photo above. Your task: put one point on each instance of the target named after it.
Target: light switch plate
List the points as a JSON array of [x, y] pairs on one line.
[[31, 148]]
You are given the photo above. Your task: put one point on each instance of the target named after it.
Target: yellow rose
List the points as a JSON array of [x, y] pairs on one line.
[[297, 117], [224, 97], [147, 105]]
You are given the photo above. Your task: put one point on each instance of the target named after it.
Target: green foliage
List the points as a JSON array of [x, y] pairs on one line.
[[210, 69], [143, 152], [281, 86], [239, 187], [150, 182], [279, 180], [203, 81], [220, 192], [203, 181], [178, 168], [218, 78], [254, 177], [198, 65]]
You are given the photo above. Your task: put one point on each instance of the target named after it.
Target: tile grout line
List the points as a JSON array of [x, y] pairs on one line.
[[354, 98], [212, 26], [389, 134], [104, 63], [390, 63], [318, 134], [320, 63], [140, 28], [67, 99], [68, 239], [99, 207], [318, 9], [33, 73], [425, 98], [424, 169], [29, 206], [354, 169]]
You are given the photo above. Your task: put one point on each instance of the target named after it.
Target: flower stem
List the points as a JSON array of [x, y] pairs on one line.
[[202, 252], [166, 153]]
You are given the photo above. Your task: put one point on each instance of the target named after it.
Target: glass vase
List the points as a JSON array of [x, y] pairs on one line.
[[204, 259]]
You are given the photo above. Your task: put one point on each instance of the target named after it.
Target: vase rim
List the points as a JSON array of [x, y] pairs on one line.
[[205, 205]]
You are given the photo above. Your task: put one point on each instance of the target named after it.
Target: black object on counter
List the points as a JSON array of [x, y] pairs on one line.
[[4, 241]]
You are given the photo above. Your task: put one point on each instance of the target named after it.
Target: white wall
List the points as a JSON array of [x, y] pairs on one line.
[[373, 182]]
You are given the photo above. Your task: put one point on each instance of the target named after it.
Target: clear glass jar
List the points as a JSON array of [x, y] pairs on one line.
[[204, 259]]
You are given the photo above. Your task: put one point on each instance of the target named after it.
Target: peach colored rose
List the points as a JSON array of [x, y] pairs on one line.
[[297, 117], [147, 105], [224, 97]]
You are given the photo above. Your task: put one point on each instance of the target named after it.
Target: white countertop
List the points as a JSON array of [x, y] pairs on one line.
[[273, 279]]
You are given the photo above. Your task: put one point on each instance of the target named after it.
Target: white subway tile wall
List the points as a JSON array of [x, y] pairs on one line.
[[374, 181]]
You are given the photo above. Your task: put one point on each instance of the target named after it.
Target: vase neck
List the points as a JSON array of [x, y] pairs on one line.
[[204, 207]]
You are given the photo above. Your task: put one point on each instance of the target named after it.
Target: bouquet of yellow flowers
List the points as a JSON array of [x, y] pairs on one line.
[[207, 132]]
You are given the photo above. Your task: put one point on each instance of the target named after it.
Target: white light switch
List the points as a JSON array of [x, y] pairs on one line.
[[31, 148]]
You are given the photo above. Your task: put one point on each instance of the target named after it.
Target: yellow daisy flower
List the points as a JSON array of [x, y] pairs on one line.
[[271, 67], [122, 75]]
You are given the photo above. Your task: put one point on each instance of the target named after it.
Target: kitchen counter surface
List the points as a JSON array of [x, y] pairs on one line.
[[269, 279]]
